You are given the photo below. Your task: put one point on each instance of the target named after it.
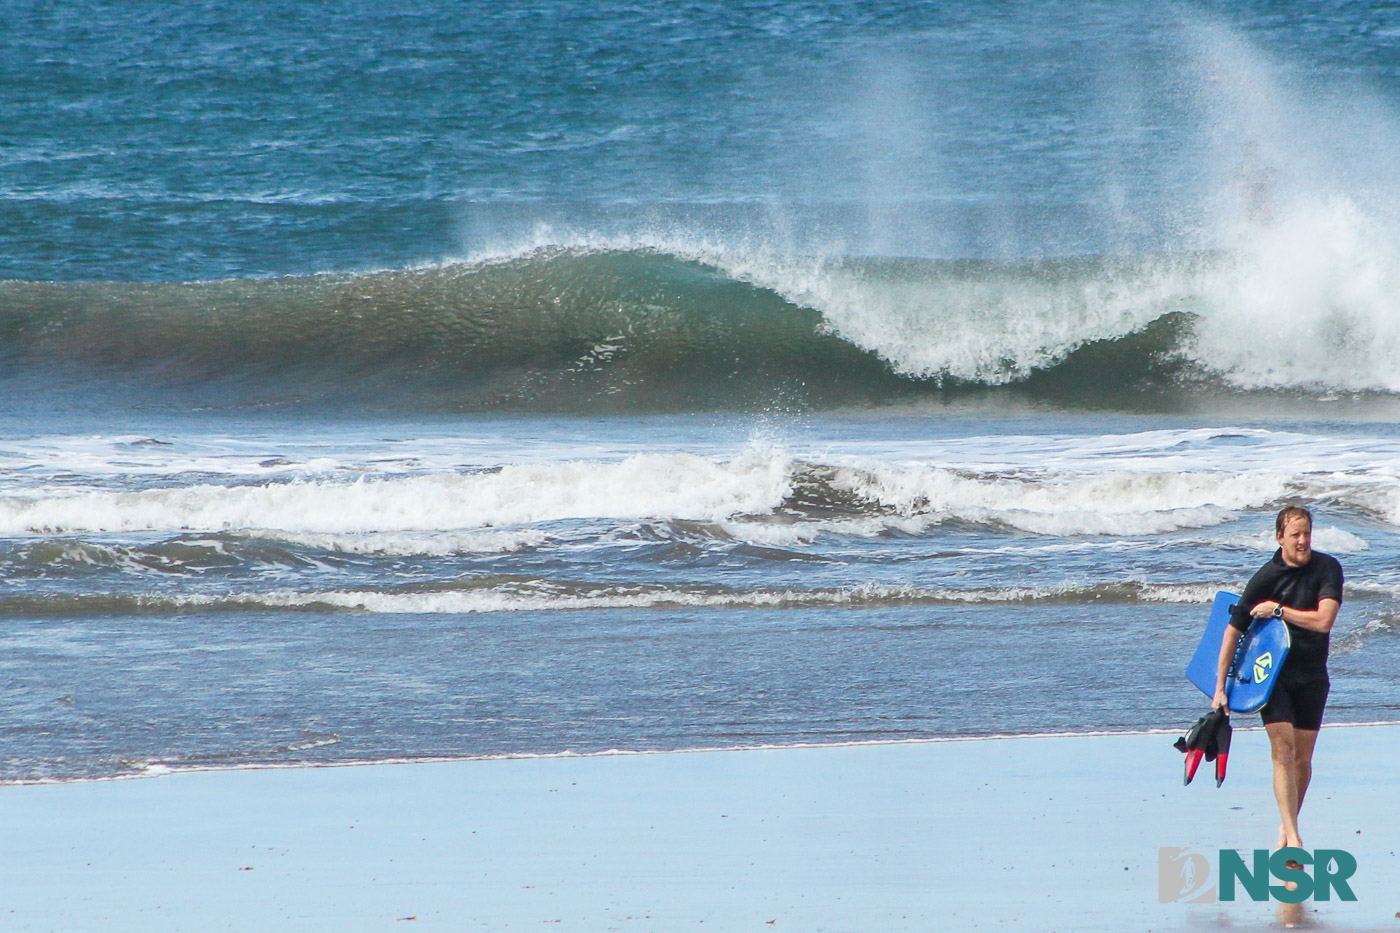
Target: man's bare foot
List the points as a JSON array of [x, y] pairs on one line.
[[1283, 843]]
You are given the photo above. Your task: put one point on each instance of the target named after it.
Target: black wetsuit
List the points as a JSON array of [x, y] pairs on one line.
[[1300, 695]]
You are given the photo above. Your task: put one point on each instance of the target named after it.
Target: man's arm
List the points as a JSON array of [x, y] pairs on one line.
[[1228, 644], [1316, 620]]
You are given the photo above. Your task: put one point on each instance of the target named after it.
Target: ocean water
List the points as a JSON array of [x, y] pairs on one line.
[[475, 379]]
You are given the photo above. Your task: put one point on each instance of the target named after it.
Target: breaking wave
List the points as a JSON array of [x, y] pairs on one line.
[[630, 326], [760, 495]]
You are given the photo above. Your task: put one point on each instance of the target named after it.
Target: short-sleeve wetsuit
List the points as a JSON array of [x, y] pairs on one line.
[[1300, 695]]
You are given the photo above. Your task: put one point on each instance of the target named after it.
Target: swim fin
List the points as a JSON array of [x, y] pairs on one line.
[[1193, 759], [1220, 749], [1208, 739]]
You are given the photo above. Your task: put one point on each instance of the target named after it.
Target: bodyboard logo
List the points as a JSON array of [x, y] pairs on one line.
[[1262, 666]]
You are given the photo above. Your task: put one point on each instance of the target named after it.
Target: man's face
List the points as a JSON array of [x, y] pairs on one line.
[[1296, 542]]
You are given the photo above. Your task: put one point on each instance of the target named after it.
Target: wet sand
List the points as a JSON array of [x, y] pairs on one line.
[[1039, 833]]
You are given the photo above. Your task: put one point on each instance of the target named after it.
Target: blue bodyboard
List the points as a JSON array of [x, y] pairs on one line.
[[1257, 660]]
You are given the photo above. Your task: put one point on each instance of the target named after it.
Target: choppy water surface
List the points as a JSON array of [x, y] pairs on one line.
[[384, 590], [480, 379]]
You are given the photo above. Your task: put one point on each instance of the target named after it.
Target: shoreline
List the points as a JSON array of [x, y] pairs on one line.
[[1057, 834], [161, 770]]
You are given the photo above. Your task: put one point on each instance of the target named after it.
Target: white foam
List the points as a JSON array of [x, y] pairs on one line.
[[1089, 492], [1145, 483], [541, 597], [1312, 300], [1326, 538], [992, 327], [1113, 503], [680, 485], [434, 544]]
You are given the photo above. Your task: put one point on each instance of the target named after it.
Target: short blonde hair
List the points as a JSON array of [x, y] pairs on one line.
[[1287, 515]]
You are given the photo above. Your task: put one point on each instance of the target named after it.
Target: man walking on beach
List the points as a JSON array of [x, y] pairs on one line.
[[1304, 588]]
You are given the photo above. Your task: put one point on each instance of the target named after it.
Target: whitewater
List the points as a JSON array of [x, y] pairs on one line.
[[552, 580]]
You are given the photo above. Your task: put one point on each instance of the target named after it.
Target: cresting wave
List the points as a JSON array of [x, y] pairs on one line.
[[628, 326]]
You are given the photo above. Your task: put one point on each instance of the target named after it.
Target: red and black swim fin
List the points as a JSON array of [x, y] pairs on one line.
[[1193, 761], [1220, 747], [1208, 739]]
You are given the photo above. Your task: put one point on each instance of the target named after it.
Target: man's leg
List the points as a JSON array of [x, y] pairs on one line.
[[1304, 741], [1285, 745]]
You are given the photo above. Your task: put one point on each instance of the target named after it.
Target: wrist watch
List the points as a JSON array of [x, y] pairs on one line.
[[1278, 612]]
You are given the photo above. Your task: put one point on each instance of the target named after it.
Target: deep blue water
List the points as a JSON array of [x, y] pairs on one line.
[[145, 141]]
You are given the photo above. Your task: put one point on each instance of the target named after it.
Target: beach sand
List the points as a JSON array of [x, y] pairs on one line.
[[1037, 833]]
